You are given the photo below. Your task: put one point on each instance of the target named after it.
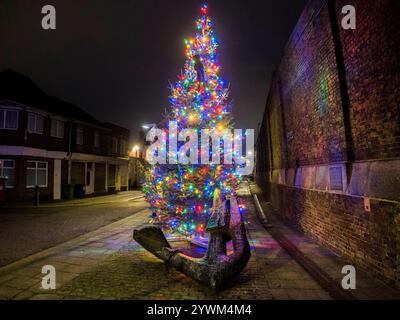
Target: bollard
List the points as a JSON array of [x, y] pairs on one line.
[[37, 196]]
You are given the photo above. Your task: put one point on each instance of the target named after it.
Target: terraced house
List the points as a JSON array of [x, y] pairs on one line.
[[56, 146]]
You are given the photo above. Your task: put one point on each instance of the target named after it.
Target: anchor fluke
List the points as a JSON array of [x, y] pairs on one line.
[[152, 239]]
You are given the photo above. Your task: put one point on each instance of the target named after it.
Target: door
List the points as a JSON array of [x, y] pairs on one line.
[[57, 180], [90, 178], [112, 170], [78, 173], [100, 178]]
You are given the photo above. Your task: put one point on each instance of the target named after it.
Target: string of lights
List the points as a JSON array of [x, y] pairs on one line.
[[181, 196]]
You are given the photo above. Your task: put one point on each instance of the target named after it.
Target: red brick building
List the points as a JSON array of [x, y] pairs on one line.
[[50, 143], [329, 149]]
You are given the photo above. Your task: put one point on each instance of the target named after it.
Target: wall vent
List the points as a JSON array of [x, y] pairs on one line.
[[336, 178]]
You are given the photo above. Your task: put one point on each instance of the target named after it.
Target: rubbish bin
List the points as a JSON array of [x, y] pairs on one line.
[[68, 192], [80, 191], [3, 190]]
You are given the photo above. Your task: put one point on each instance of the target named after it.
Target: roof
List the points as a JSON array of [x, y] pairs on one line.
[[115, 128], [19, 88]]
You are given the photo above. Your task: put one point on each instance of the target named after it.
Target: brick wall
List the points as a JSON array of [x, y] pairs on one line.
[[372, 62], [309, 92], [334, 101], [369, 240]]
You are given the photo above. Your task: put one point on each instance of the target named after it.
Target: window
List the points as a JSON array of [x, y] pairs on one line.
[[7, 170], [36, 174], [35, 123], [123, 149], [79, 136], [57, 128], [97, 139], [114, 147], [8, 119]]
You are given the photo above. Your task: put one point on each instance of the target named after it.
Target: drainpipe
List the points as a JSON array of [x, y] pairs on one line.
[[344, 92], [70, 152]]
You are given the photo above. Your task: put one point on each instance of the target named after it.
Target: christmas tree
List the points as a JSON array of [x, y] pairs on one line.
[[181, 196]]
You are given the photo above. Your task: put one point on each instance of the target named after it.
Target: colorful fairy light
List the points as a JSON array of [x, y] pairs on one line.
[[181, 196]]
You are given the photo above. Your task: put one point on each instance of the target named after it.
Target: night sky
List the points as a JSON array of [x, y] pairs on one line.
[[115, 59]]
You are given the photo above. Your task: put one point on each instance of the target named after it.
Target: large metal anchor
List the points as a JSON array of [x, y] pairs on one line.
[[217, 268]]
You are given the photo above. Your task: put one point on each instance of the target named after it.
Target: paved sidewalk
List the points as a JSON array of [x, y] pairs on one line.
[[26, 231], [108, 264], [330, 263], [89, 201], [22, 279]]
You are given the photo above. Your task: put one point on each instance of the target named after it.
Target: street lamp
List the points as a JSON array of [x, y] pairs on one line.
[[135, 151], [148, 126]]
